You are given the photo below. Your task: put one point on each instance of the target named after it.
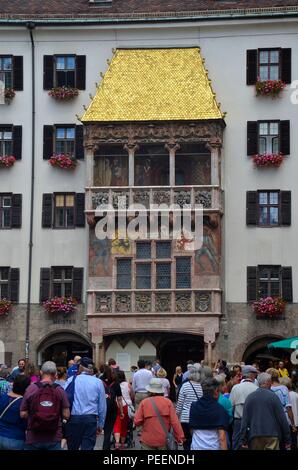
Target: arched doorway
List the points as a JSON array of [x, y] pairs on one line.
[[62, 346], [257, 351]]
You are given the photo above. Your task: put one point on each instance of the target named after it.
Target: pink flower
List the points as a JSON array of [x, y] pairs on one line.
[[63, 161], [7, 161]]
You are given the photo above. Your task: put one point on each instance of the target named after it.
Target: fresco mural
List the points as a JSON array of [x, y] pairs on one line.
[[100, 259], [111, 166], [207, 258]]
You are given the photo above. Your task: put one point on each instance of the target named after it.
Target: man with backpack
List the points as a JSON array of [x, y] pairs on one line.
[[88, 407], [44, 405]]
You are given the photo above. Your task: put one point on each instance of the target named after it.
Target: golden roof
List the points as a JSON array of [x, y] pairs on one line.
[[154, 85]]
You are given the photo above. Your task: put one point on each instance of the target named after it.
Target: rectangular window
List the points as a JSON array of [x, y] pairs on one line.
[[269, 280], [64, 210], [143, 250], [6, 73], [65, 140], [65, 67], [4, 283], [268, 137], [62, 279], [5, 211], [143, 276], [163, 276], [268, 208], [6, 141], [269, 64], [183, 273], [124, 274], [163, 250]]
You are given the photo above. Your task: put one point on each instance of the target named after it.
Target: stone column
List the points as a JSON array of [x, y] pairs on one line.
[[172, 149], [99, 351], [131, 149], [209, 339], [89, 156], [214, 146]]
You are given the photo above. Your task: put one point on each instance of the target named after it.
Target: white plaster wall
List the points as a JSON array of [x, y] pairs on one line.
[[224, 47]]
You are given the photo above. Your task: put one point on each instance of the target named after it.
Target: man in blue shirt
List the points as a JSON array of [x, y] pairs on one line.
[[20, 370], [88, 410]]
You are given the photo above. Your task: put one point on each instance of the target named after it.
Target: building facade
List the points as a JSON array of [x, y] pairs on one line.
[[147, 299]]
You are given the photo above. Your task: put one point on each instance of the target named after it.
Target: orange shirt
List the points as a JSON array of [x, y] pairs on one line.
[[152, 433]]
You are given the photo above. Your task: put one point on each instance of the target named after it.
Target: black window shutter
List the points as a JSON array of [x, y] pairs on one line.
[[285, 207], [251, 283], [48, 72], [80, 208], [286, 65], [47, 209], [77, 283], [81, 72], [252, 137], [18, 73], [251, 207], [284, 132], [48, 142], [287, 290], [14, 279], [45, 284], [251, 66], [17, 142], [16, 216], [79, 142]]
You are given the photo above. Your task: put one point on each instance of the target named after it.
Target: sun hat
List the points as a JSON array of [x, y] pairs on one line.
[[155, 386]]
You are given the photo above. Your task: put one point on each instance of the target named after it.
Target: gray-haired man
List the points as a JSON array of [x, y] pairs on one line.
[[239, 394], [264, 424]]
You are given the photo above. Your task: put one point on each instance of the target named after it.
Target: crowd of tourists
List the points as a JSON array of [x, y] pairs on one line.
[[218, 408]]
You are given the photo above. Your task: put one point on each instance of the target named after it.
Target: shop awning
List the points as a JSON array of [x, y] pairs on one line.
[[288, 343]]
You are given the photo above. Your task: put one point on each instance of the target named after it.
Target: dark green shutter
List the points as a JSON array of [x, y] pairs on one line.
[[45, 284], [77, 283], [80, 209], [252, 137], [251, 283], [251, 66], [17, 142], [16, 211], [48, 142], [251, 208], [284, 132], [81, 72], [285, 207], [14, 281], [18, 73], [48, 72], [287, 290], [79, 148], [286, 65], [47, 210]]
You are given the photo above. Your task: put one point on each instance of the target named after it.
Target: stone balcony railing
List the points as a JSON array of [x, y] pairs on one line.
[[209, 197], [154, 302]]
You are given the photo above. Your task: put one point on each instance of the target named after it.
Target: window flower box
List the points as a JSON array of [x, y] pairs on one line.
[[7, 161], [64, 161], [63, 93], [268, 159], [5, 306], [269, 307], [269, 87], [65, 305], [9, 94]]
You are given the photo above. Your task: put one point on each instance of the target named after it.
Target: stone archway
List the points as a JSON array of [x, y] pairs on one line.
[[257, 350], [61, 346]]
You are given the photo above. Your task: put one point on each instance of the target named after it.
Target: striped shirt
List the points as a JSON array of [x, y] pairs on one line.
[[189, 392]]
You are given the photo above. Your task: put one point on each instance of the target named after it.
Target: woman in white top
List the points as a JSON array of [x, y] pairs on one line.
[[121, 424], [161, 374]]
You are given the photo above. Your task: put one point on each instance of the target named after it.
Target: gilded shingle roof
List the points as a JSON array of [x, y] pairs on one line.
[[154, 85]]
